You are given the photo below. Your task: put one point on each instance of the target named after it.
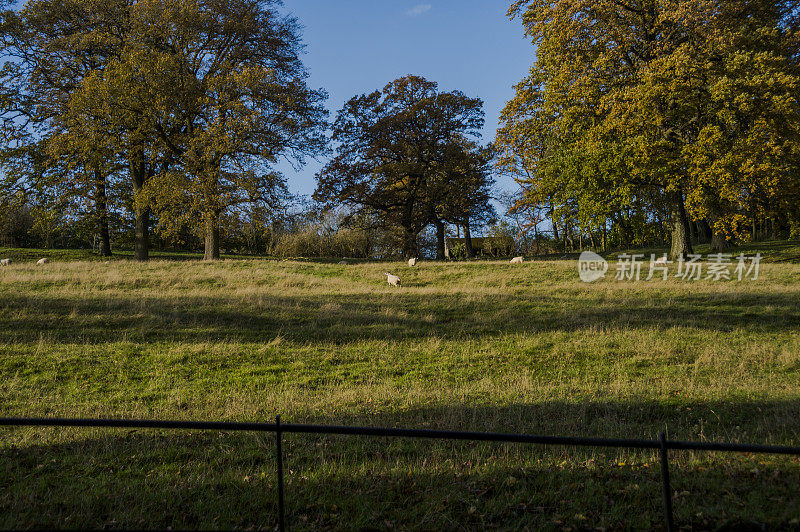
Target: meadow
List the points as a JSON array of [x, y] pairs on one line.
[[485, 346]]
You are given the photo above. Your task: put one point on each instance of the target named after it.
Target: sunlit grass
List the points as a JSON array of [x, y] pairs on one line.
[[473, 346]]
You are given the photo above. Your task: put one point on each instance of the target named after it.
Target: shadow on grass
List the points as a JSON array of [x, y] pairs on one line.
[[770, 250], [156, 479], [340, 318]]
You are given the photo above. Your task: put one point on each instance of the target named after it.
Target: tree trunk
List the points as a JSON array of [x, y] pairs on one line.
[[468, 242], [605, 233], [704, 231], [552, 215], [681, 245], [624, 231], [142, 237], [440, 251], [212, 236], [142, 244], [101, 208], [409, 243]]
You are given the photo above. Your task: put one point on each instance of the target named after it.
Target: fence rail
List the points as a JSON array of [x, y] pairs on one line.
[[661, 444]]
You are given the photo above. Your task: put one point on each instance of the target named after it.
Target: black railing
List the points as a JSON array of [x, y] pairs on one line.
[[662, 444]]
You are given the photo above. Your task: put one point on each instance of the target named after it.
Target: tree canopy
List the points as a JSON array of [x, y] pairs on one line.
[[398, 153], [640, 121], [680, 107], [194, 101]]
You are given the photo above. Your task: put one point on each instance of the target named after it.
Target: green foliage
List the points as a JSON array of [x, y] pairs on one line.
[[458, 251], [660, 104]]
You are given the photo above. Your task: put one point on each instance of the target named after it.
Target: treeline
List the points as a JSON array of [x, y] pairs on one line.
[[643, 121], [128, 116], [171, 111], [300, 229], [141, 123]]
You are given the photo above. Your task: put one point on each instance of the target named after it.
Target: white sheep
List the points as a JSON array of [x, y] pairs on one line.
[[5, 262], [392, 279], [412, 262], [516, 260], [343, 263], [43, 261], [661, 262]]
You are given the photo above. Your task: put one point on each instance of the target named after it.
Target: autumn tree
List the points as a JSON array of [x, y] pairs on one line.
[[195, 100], [52, 48], [231, 75], [744, 161], [624, 95], [391, 149]]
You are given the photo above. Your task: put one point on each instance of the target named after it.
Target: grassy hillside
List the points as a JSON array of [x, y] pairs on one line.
[[473, 346]]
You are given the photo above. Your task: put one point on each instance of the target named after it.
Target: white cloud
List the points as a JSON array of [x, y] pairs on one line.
[[418, 10]]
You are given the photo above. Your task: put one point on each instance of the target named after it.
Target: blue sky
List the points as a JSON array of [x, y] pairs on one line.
[[358, 46]]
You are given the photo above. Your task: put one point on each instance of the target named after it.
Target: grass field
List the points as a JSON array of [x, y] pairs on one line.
[[468, 346]]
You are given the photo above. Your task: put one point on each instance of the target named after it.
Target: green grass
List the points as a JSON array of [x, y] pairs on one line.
[[467, 346]]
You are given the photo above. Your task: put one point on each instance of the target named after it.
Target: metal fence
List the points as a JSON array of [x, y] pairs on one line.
[[661, 444]]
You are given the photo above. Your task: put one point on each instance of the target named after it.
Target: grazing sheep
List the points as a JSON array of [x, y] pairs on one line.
[[662, 261], [516, 260], [412, 262], [343, 263], [392, 279], [5, 262], [43, 261]]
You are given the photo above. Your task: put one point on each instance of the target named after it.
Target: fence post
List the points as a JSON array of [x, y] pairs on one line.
[[281, 519], [667, 489]]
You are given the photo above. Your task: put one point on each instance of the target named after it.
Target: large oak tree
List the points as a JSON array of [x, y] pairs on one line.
[[392, 150], [237, 85]]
